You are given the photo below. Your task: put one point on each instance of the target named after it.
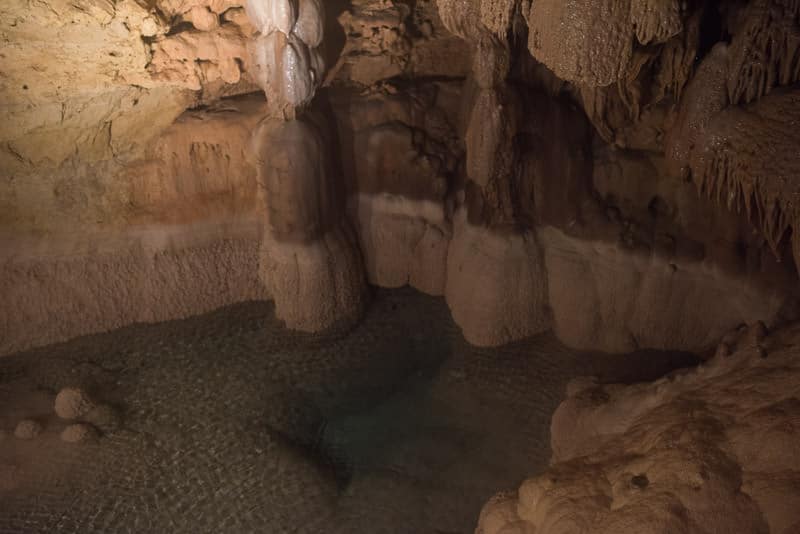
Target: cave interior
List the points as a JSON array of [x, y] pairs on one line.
[[400, 266]]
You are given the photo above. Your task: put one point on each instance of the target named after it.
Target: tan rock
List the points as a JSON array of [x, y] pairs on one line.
[[496, 284], [310, 25], [764, 50], [489, 134], [73, 403], [740, 162], [597, 307], [283, 68], [202, 18], [78, 433], [309, 259], [705, 96], [710, 450], [592, 42], [74, 99], [403, 241], [193, 59], [270, 16], [317, 284], [133, 243]]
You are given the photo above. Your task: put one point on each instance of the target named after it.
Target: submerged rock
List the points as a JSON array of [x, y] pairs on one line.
[[28, 429], [78, 432], [72, 403]]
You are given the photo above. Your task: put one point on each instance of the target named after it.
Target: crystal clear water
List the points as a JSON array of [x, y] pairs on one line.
[[231, 423]]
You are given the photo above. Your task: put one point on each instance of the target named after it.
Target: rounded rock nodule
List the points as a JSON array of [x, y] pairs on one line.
[[78, 432], [72, 403], [28, 429]]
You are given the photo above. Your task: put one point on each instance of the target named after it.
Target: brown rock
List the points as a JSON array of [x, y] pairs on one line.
[[28, 429], [308, 246], [78, 433]]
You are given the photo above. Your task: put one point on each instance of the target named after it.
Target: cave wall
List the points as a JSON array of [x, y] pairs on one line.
[[99, 246], [471, 156]]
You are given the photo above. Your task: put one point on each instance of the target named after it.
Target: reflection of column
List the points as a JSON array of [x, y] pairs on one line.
[[496, 286], [309, 259]]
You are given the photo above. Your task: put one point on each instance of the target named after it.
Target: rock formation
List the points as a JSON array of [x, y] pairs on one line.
[[622, 172], [72, 403], [442, 132], [707, 450], [27, 429], [309, 259]]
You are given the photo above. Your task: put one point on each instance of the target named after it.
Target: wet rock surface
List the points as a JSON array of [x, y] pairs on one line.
[[712, 449]]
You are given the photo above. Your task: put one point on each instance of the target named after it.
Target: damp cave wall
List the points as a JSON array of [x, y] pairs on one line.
[[620, 172]]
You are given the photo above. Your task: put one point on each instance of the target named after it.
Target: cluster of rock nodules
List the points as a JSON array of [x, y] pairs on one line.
[[713, 449], [86, 418]]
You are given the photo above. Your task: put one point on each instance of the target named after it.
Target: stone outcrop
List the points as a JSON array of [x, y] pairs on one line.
[[705, 450], [399, 152], [175, 234]]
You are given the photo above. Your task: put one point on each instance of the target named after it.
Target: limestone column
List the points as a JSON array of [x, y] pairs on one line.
[[496, 281], [309, 258]]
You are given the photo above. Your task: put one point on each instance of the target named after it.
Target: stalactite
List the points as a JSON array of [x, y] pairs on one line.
[[739, 163], [765, 52]]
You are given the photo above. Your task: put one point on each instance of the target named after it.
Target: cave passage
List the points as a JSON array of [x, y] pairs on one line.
[[230, 422]]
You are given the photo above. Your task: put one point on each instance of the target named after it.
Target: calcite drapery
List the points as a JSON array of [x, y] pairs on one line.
[[284, 54]]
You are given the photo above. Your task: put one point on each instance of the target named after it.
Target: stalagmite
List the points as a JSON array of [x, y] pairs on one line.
[[496, 288], [765, 51]]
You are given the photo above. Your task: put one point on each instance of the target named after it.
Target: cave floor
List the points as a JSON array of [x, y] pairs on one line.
[[231, 423]]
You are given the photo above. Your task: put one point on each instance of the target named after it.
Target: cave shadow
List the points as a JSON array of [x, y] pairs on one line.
[[335, 37]]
